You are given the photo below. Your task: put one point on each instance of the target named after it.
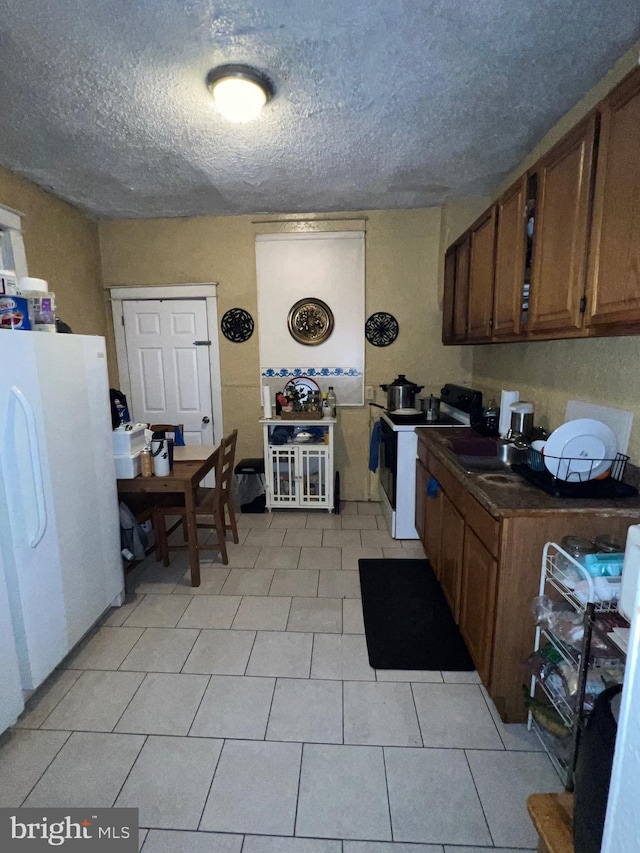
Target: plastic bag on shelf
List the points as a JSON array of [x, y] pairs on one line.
[[559, 618]]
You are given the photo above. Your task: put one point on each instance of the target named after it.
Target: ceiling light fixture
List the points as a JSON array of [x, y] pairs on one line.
[[239, 91]]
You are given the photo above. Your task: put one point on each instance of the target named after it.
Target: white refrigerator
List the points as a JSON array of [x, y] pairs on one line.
[[60, 565]]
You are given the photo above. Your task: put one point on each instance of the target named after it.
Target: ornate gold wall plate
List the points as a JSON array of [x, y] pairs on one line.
[[310, 321]]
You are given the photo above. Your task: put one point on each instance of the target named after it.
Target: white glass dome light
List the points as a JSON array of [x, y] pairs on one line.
[[239, 92]]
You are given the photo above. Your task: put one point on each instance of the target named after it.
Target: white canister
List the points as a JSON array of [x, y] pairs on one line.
[[160, 456]]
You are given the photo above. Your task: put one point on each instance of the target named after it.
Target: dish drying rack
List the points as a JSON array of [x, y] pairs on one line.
[[577, 479], [599, 616]]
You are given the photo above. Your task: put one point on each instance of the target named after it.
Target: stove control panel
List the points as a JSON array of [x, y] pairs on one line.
[[460, 397]]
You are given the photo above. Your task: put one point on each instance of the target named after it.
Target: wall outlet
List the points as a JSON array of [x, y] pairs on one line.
[[369, 393]]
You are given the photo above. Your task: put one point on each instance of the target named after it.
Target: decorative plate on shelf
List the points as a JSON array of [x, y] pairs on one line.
[[237, 325], [381, 329], [310, 321], [303, 385]]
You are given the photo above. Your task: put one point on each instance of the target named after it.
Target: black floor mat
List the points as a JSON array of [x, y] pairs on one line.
[[407, 620]]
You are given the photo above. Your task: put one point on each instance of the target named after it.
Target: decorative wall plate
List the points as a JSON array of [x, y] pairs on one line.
[[381, 329], [237, 325], [310, 321]]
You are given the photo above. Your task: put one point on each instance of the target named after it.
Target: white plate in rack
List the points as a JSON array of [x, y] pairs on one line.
[[580, 450]]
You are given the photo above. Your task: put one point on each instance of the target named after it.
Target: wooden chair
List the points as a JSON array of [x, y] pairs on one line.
[[216, 502]]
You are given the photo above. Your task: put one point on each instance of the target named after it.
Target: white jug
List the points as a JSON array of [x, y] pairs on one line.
[[160, 456]]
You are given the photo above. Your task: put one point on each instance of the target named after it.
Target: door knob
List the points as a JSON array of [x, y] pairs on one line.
[[205, 420]]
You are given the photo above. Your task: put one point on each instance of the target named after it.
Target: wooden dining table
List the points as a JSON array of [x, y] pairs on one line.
[[191, 465]]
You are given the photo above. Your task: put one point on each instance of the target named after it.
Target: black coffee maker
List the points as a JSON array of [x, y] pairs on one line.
[[485, 421]]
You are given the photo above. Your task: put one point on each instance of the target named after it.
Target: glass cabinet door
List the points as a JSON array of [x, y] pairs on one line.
[[314, 476], [283, 475]]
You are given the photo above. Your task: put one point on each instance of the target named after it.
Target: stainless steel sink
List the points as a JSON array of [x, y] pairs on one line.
[[506, 454]]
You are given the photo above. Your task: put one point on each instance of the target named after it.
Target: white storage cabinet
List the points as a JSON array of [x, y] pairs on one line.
[[299, 474]]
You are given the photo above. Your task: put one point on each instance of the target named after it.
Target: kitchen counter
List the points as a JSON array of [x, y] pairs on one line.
[[517, 495]]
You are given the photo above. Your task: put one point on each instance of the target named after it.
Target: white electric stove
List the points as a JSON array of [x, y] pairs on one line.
[[399, 450]]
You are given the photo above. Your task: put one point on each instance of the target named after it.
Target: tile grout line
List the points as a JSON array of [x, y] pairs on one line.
[[53, 758], [213, 776], [475, 787], [415, 708], [193, 719], [386, 785], [253, 645], [39, 727], [295, 817], [504, 746], [145, 739], [273, 696]]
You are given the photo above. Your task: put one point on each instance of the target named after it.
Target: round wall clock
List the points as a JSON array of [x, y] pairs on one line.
[[381, 329], [237, 325], [310, 321]]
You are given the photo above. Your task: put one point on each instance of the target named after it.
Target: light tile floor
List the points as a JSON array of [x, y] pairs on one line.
[[244, 715]]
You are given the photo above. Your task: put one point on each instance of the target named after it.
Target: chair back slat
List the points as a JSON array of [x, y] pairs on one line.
[[224, 468]]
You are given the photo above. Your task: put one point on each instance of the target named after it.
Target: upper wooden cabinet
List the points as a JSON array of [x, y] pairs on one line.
[[578, 275], [511, 243], [613, 287], [481, 271], [561, 232], [456, 291]]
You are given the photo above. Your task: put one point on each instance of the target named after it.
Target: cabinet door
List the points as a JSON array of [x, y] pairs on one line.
[[451, 552], [456, 290], [448, 296], [481, 273], [283, 472], [561, 232], [422, 477], [461, 288], [433, 529], [511, 242], [478, 602], [614, 261], [314, 476]]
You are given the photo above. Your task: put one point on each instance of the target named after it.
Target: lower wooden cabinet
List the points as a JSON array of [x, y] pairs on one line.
[[478, 602], [488, 563], [451, 553]]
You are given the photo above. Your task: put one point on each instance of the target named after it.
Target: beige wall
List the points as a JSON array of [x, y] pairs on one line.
[[604, 370], [402, 277], [61, 245]]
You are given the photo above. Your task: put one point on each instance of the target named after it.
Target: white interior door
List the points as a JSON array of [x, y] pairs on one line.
[[169, 368]]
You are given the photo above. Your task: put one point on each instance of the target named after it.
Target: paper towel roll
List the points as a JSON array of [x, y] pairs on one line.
[[506, 399], [34, 284], [266, 402]]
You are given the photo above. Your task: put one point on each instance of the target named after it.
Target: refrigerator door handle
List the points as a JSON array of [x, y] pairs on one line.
[[35, 465]]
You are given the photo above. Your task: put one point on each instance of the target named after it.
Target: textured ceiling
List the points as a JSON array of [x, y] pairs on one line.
[[379, 103]]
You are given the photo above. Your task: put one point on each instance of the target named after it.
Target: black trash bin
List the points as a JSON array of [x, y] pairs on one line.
[[593, 771], [250, 485]]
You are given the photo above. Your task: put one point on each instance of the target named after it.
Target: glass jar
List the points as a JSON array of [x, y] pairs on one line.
[[576, 547], [608, 545]]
